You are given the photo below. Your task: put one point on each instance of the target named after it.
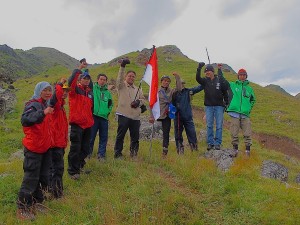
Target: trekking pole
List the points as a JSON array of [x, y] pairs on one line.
[[151, 138], [207, 55]]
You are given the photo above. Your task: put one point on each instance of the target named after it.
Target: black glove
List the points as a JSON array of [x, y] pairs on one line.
[[124, 62], [201, 64], [135, 104]]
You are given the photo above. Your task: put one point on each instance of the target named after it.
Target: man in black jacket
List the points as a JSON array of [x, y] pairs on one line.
[[215, 101]]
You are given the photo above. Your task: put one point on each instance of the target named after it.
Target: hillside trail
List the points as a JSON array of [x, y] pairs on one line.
[[281, 144]]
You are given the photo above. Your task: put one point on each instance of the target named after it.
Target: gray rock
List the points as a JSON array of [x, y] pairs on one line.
[[146, 129], [223, 158], [274, 170]]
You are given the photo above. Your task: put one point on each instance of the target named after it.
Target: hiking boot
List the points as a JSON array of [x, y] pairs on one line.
[[75, 176], [180, 151], [101, 158], [40, 208], [210, 147], [118, 156], [25, 214], [133, 153], [164, 152], [217, 147], [194, 147], [247, 151], [85, 171], [236, 150]]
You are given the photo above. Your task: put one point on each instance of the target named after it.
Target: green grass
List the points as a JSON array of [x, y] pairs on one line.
[[185, 189]]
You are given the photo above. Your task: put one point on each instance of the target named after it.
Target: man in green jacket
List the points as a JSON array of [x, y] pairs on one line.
[[103, 105], [242, 100]]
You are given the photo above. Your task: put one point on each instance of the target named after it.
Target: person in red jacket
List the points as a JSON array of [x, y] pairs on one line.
[[81, 118], [36, 126], [59, 133]]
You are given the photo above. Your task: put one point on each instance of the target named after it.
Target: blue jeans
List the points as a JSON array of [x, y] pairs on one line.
[[101, 125], [214, 113]]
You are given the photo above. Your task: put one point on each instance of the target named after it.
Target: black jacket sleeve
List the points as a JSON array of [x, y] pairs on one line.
[[200, 79], [33, 114]]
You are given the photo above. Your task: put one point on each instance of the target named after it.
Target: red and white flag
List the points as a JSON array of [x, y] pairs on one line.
[[151, 78]]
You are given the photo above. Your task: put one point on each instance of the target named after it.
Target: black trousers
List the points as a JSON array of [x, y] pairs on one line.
[[166, 127], [36, 178], [57, 171], [124, 124], [79, 149]]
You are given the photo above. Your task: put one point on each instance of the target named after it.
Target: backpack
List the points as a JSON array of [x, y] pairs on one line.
[[171, 108]]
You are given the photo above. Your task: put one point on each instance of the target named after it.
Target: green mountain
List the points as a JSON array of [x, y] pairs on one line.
[[186, 189], [277, 88], [16, 63], [297, 96]]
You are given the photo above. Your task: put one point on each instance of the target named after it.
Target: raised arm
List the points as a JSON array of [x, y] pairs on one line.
[[200, 79]]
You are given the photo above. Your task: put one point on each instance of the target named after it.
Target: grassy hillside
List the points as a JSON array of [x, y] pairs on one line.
[[179, 190], [15, 63]]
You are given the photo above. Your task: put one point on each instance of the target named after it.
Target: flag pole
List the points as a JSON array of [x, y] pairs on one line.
[[143, 75], [151, 138]]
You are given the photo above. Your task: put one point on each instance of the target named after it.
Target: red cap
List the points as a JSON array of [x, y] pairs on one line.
[[242, 72]]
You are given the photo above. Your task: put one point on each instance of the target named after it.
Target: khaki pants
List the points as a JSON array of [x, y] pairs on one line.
[[245, 125]]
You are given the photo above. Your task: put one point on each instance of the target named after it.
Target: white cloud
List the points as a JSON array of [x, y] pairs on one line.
[[259, 35]]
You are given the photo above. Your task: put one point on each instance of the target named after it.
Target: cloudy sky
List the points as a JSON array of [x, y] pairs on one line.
[[261, 36]]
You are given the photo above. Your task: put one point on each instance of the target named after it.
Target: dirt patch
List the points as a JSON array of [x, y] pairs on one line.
[[281, 144]]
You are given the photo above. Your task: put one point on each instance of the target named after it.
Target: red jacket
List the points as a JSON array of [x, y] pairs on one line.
[[59, 122], [36, 126], [80, 102]]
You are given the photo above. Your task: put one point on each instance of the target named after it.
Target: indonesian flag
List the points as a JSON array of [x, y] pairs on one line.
[[151, 78]]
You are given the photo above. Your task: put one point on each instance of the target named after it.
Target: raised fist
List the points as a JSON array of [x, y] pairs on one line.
[[124, 62], [201, 64]]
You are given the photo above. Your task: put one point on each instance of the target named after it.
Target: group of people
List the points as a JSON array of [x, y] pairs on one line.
[[45, 123]]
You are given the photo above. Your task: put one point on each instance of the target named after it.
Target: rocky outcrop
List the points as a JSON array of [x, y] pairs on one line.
[[223, 158], [274, 170]]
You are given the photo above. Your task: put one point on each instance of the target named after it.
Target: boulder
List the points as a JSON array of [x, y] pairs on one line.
[[274, 170], [223, 158]]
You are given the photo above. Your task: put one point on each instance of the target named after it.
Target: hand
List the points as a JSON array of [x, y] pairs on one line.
[[48, 110], [201, 64], [135, 104], [63, 80], [175, 74], [124, 62], [220, 65], [151, 120]]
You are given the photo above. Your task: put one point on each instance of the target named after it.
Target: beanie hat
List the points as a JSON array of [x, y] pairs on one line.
[[242, 72], [82, 60], [39, 87], [165, 77], [209, 68]]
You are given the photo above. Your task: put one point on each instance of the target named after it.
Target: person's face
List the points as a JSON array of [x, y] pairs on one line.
[[130, 78], [165, 82], [102, 80], [65, 93], [46, 93], [242, 77], [85, 81], [209, 74]]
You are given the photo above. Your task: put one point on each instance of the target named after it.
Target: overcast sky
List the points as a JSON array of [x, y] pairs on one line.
[[261, 36]]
